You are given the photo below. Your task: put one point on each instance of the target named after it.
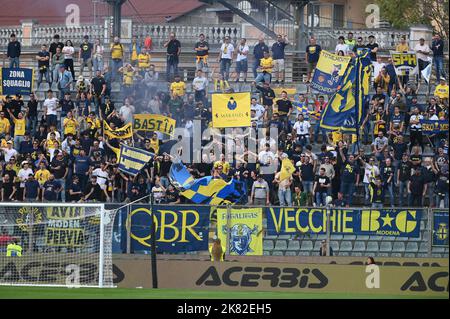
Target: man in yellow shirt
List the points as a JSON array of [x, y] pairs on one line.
[[143, 61], [402, 46], [441, 90], [116, 57], [128, 78], [19, 127], [70, 124], [135, 50], [178, 87], [224, 164], [42, 174], [266, 66], [5, 125]]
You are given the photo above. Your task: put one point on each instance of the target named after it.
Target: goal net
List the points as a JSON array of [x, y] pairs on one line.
[[55, 244]]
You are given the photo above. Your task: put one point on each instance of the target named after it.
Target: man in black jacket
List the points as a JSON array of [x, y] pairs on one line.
[[13, 52]]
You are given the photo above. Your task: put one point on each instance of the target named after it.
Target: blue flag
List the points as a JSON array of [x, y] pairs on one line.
[[346, 108], [132, 160]]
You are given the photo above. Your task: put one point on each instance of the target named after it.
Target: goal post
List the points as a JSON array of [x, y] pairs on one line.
[[56, 244]]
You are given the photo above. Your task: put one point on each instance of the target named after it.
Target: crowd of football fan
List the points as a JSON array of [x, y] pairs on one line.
[[61, 153]]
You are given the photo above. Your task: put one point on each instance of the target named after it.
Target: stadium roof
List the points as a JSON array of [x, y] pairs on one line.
[[52, 12]]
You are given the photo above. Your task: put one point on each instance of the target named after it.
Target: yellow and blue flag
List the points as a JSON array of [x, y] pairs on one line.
[[231, 110], [287, 169], [132, 160], [205, 190], [302, 107], [329, 72], [346, 108]]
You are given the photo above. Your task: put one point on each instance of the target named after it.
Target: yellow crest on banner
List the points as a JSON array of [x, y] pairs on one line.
[[244, 230], [120, 133], [231, 110], [154, 122]]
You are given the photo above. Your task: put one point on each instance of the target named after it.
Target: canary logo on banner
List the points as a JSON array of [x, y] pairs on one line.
[[177, 228], [231, 110], [14, 81], [389, 222], [120, 133], [132, 160], [430, 127], [405, 62], [245, 231], [154, 122], [440, 228], [329, 71]]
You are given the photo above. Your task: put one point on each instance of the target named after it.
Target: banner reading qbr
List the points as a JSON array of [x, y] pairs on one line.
[[177, 228], [440, 228], [154, 122], [388, 222], [329, 71], [430, 127], [404, 61], [14, 81]]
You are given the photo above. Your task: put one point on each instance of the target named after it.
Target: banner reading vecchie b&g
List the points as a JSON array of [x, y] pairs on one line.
[[388, 222]]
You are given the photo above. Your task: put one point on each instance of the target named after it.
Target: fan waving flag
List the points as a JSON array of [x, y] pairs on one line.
[[132, 160], [205, 190], [345, 109], [287, 169]]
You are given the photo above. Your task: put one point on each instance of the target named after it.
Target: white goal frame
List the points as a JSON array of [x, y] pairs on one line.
[[104, 214]]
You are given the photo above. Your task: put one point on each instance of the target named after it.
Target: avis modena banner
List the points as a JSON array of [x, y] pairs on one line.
[[389, 222], [245, 231], [405, 62], [440, 228], [14, 81], [329, 71], [154, 122], [178, 228], [231, 110]]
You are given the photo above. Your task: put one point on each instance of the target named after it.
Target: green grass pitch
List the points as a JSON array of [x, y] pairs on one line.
[[122, 293]]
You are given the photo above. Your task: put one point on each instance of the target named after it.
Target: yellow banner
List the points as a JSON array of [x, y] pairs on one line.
[[245, 231], [120, 133], [231, 110], [154, 122], [287, 169], [290, 91]]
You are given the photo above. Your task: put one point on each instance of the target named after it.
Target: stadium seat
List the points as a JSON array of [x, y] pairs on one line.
[[284, 237], [346, 246], [412, 247], [334, 245], [438, 250], [399, 247], [423, 247], [307, 245], [410, 255], [422, 255], [317, 245], [386, 246], [304, 253], [375, 237], [372, 246], [280, 245], [388, 238], [268, 245], [349, 237], [270, 237], [362, 237], [359, 246], [436, 255], [291, 253], [357, 254], [344, 254], [315, 253], [293, 245], [266, 253], [401, 238], [321, 236], [396, 255], [425, 234], [277, 253], [336, 237], [382, 255]]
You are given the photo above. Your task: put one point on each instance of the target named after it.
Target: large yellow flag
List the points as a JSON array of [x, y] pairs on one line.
[[287, 169], [120, 133], [245, 231], [231, 110]]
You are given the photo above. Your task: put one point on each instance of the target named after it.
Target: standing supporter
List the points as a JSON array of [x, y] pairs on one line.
[[68, 51], [285, 108], [312, 57], [117, 55], [265, 69], [173, 53], [373, 47], [64, 81], [85, 55], [31, 189], [422, 51], [417, 188], [376, 192], [51, 106], [258, 53], [202, 52], [200, 86], [43, 58], [322, 185], [225, 57], [57, 62], [97, 56], [341, 46], [278, 57], [437, 46], [242, 60], [13, 52], [32, 115], [260, 192], [135, 50]]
